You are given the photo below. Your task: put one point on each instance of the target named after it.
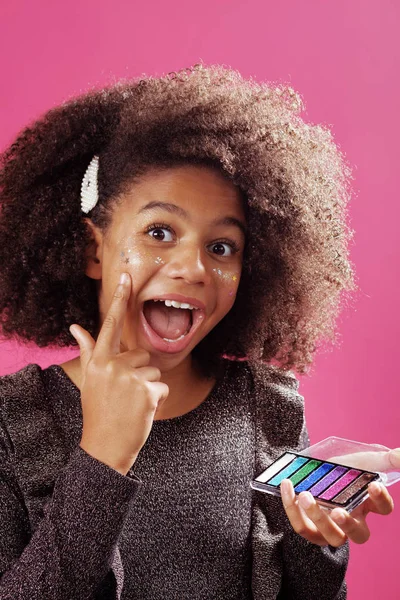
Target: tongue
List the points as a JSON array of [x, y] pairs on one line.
[[166, 321]]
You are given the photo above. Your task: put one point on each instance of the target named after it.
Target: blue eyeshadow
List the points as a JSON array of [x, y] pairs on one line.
[[313, 477], [287, 471]]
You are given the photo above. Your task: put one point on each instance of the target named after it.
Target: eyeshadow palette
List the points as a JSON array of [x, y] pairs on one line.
[[331, 484]]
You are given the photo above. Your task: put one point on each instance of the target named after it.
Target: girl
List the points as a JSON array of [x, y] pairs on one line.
[[189, 233]]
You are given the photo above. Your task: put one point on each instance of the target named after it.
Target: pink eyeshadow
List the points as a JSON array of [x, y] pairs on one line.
[[354, 487], [340, 484]]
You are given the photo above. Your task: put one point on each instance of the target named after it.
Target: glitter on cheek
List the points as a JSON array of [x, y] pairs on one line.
[[131, 256], [132, 253], [138, 257], [124, 259], [226, 277], [229, 279]]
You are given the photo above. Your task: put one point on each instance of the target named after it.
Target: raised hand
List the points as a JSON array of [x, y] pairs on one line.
[[120, 392]]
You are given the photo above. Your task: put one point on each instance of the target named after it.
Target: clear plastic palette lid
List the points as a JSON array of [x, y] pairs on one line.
[[370, 457]]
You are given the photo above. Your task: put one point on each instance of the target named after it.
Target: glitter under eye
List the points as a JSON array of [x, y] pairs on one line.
[[227, 277]]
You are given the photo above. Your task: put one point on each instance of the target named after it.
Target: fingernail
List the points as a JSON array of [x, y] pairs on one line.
[[306, 501], [284, 489], [285, 493], [72, 330], [123, 278], [375, 489]]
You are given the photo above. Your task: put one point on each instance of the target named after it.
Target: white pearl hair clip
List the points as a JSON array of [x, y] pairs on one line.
[[89, 190]]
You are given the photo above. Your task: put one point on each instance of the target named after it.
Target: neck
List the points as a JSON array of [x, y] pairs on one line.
[[182, 374], [188, 387]]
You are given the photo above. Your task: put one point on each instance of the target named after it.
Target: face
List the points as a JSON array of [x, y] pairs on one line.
[[179, 233]]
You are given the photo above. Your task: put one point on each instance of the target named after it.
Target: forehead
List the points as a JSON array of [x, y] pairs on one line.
[[194, 187]]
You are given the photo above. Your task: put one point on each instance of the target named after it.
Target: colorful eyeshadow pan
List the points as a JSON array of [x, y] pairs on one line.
[[319, 487], [276, 466], [326, 481], [310, 466], [313, 478], [340, 484], [296, 464], [365, 479]]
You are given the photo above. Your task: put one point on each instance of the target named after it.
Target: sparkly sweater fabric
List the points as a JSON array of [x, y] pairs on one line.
[[184, 523]]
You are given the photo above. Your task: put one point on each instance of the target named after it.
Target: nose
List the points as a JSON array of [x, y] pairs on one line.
[[188, 263]]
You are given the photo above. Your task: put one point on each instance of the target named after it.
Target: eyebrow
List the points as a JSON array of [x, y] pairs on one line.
[[177, 210]]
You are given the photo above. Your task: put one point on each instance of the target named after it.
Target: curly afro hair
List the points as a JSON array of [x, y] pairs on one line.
[[295, 184]]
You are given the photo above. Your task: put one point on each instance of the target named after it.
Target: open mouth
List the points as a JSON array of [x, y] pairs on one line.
[[169, 324]]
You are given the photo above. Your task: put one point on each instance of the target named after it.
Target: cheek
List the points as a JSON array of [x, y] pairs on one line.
[[133, 257], [228, 283]]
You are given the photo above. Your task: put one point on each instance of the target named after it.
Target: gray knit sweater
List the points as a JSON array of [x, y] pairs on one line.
[[184, 523]]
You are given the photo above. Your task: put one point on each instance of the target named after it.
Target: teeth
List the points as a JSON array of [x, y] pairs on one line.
[[176, 304], [179, 338]]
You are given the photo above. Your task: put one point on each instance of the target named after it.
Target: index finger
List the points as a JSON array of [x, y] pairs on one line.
[[109, 339]]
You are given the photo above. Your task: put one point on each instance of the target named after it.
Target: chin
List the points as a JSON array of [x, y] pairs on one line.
[[167, 362]]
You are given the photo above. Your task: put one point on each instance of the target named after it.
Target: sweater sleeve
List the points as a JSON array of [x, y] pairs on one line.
[[70, 553], [311, 571], [306, 570]]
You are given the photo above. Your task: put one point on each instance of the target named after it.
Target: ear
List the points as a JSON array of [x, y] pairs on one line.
[[94, 251]]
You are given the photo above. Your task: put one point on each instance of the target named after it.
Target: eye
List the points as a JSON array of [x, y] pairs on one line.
[[160, 232], [223, 248]]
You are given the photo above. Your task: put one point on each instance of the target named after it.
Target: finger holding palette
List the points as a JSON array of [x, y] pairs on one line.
[[331, 484]]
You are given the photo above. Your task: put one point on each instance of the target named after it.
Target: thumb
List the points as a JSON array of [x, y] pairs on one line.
[[394, 458], [86, 344]]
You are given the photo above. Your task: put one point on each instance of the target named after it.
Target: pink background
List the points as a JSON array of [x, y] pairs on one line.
[[344, 58]]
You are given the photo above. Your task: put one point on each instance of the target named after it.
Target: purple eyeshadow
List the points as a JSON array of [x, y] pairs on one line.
[[324, 483], [340, 484]]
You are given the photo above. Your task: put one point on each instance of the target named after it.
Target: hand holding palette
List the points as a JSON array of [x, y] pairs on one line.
[[333, 482], [330, 483]]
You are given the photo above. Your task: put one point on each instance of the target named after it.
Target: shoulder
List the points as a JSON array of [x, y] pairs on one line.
[[12, 383], [266, 376], [277, 405], [261, 376], [21, 395], [21, 386]]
